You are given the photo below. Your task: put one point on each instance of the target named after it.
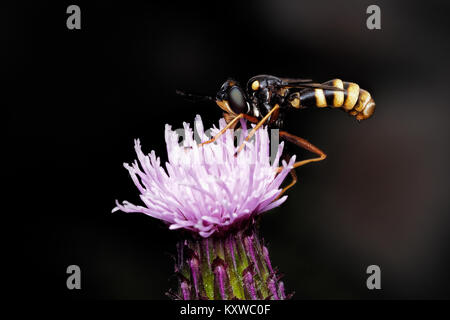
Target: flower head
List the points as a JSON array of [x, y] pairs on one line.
[[207, 188]]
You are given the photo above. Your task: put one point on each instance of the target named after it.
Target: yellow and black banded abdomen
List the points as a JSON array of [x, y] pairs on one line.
[[352, 99]]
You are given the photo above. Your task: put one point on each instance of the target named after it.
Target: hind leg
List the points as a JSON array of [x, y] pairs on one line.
[[302, 143], [290, 185]]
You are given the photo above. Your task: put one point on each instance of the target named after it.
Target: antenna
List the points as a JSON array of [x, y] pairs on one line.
[[194, 97]]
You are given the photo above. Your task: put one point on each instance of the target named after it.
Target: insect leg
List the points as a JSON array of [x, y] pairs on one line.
[[302, 143], [260, 123], [290, 185], [230, 125]]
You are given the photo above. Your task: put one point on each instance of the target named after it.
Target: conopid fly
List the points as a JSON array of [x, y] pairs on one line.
[[266, 99]]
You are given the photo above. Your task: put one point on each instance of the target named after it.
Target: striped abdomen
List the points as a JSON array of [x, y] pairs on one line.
[[352, 99]]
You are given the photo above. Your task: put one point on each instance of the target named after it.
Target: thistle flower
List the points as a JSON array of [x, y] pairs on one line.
[[216, 196], [206, 188]]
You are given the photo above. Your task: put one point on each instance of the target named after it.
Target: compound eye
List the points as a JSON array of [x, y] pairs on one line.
[[237, 100], [255, 85]]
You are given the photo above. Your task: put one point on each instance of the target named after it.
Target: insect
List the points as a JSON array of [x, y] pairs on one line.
[[266, 99]]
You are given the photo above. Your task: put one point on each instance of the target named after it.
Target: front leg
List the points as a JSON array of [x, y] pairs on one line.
[[275, 109], [230, 125]]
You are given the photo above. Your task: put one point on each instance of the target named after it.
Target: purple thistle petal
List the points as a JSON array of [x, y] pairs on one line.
[[267, 259], [220, 276], [281, 290], [274, 204], [249, 283], [230, 244], [248, 242], [273, 289], [185, 290], [207, 253], [193, 264], [206, 188]]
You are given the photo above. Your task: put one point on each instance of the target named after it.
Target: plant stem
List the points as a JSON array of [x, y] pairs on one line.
[[235, 265]]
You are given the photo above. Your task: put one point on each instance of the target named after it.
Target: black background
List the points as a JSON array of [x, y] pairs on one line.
[[76, 99]]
